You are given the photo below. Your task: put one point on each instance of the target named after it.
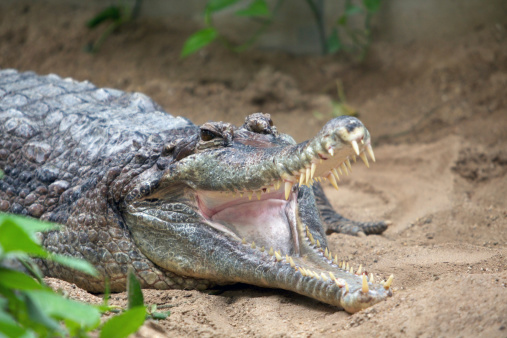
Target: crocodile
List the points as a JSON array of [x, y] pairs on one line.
[[181, 205]]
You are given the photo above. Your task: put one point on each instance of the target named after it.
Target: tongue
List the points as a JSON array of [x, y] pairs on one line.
[[264, 222]]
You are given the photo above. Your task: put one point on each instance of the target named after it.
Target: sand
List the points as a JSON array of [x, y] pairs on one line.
[[437, 112]]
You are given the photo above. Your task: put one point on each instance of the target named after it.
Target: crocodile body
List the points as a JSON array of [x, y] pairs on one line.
[[184, 206]]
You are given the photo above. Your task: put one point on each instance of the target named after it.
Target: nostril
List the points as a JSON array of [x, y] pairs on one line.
[[352, 125]]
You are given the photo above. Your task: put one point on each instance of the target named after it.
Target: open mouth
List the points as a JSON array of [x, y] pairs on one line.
[[267, 216], [267, 220]]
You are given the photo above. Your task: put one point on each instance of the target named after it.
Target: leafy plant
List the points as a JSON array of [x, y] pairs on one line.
[[258, 10], [117, 15], [29, 308]]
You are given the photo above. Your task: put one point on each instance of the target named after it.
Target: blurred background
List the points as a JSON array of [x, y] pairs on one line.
[[427, 78]]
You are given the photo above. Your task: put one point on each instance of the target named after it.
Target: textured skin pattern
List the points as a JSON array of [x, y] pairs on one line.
[[68, 149]]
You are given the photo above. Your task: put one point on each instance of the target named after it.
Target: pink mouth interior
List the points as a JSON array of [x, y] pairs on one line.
[[264, 221]]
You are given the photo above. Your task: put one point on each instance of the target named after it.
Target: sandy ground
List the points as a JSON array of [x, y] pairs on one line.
[[438, 117]]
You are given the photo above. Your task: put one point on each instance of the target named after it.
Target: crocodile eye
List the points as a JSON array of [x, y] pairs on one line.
[[207, 135]]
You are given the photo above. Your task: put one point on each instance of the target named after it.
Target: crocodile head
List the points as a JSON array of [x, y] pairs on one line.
[[236, 205]]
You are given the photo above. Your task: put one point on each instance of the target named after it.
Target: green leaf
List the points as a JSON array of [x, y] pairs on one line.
[[352, 9], [342, 20], [74, 263], [18, 280], [256, 8], [110, 13], [125, 324], [217, 5], [38, 314], [30, 225], [134, 294], [160, 315], [333, 42], [84, 315], [372, 5], [198, 40], [15, 238], [12, 330]]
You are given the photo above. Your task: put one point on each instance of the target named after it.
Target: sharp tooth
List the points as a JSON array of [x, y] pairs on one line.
[[243, 241], [346, 287], [365, 159], [344, 168], [250, 194], [302, 179], [369, 149], [347, 162], [347, 267], [365, 285], [324, 278], [302, 271], [314, 167], [330, 151], [271, 252], [326, 253], [351, 270], [335, 173], [332, 275], [277, 256], [267, 190], [291, 262], [355, 146], [321, 160], [241, 194], [318, 244], [359, 270], [372, 278], [316, 275], [308, 175], [354, 158], [253, 245], [288, 188], [311, 238], [262, 249], [332, 180], [387, 285], [335, 261], [339, 170], [340, 282], [258, 193]]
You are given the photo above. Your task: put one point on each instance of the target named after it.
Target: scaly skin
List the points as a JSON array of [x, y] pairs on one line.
[[184, 206]]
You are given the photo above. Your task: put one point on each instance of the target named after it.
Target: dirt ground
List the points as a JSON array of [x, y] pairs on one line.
[[437, 113]]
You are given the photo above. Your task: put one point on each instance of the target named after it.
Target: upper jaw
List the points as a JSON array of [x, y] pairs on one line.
[[247, 171]]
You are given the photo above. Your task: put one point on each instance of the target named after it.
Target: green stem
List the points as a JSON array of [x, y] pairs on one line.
[[33, 271], [318, 13]]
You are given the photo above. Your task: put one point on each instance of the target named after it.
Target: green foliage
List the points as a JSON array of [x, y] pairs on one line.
[[340, 38], [256, 9], [124, 324], [29, 308], [117, 16], [199, 40]]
